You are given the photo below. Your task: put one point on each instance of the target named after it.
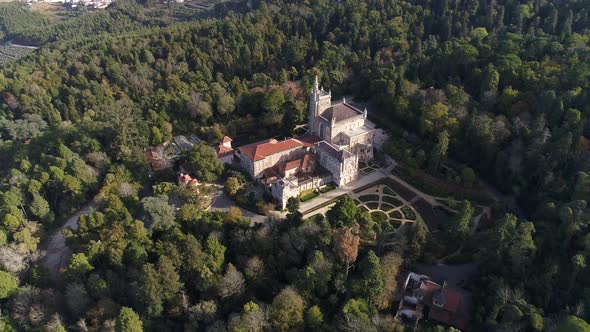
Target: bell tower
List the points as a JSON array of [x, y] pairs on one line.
[[319, 100]]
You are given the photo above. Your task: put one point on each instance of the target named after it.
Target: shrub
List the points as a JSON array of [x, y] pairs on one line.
[[308, 195], [409, 213], [379, 216]]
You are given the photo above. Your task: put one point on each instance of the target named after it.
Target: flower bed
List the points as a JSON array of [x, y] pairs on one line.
[[409, 213], [369, 198], [393, 201]]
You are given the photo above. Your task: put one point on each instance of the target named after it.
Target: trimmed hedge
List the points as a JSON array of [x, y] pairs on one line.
[[393, 201]]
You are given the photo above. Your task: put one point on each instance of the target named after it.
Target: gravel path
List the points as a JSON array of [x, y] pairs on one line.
[[57, 252]]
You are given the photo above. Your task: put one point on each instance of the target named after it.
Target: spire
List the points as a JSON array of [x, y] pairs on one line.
[[365, 113], [316, 84], [344, 100]]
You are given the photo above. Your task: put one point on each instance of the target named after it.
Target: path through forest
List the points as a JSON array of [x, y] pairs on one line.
[[57, 252]]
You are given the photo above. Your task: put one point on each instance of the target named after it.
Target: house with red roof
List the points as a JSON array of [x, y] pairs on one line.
[[424, 298], [224, 150]]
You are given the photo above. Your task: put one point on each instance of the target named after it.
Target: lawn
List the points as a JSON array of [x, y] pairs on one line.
[[369, 198], [393, 201]]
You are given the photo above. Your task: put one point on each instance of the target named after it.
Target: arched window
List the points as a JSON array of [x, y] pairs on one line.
[[321, 130]]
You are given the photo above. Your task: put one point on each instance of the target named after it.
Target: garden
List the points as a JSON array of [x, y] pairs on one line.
[[385, 206]]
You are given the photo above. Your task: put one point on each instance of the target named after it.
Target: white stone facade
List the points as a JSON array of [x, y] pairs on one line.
[[341, 138]]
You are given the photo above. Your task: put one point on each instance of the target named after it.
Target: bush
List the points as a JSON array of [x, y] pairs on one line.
[[327, 188], [308, 195], [379, 216], [409, 213]]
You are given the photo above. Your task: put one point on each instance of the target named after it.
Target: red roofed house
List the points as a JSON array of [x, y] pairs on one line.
[[187, 181], [256, 157], [442, 303], [224, 150]]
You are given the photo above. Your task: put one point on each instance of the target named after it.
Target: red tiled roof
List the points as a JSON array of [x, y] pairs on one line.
[[292, 164], [260, 150], [453, 299], [340, 112], [223, 150], [440, 315], [309, 140]]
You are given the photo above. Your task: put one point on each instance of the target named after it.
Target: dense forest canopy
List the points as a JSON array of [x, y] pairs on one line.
[[508, 82]]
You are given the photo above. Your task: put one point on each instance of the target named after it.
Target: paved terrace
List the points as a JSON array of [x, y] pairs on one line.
[[363, 180]]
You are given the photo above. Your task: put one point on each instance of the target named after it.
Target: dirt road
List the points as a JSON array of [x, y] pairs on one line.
[[57, 252]]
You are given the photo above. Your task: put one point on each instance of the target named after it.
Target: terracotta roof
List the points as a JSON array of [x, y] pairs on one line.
[[453, 299], [340, 112], [260, 150], [309, 140], [292, 164], [223, 150]]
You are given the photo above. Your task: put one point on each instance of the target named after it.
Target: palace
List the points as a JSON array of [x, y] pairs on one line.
[[338, 139]]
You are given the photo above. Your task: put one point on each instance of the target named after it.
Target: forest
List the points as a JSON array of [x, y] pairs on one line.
[[502, 86]]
